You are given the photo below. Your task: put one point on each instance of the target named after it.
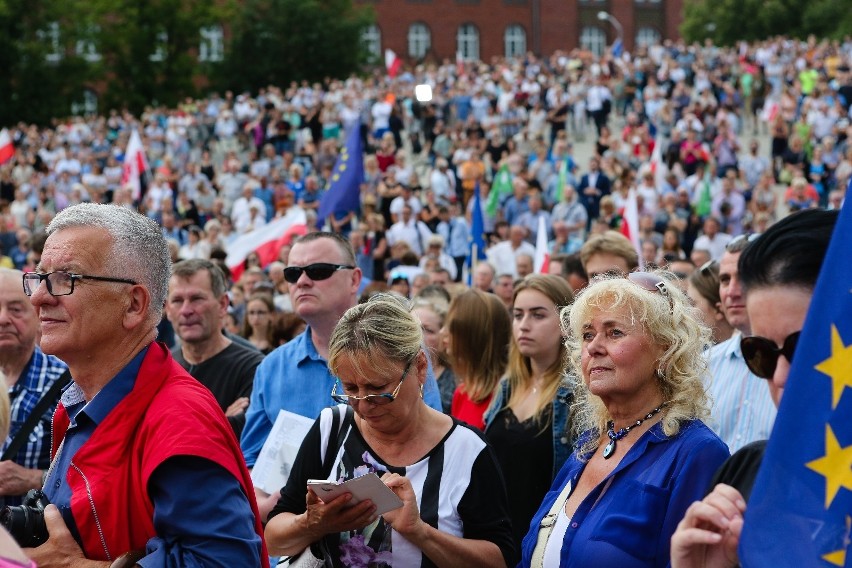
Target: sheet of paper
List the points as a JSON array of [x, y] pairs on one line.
[[276, 458]]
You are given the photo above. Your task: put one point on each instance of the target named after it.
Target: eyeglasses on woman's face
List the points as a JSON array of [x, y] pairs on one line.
[[375, 399]]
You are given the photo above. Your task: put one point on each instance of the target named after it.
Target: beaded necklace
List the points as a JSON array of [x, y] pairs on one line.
[[615, 436]]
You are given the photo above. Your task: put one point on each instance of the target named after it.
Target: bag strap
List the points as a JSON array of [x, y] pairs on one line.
[[50, 398], [331, 450]]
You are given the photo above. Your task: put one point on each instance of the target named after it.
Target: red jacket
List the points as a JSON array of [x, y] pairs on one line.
[[168, 413]]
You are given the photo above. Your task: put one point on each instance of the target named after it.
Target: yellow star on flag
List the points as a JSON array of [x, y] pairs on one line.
[[342, 167], [335, 177], [838, 366], [838, 557], [835, 466]]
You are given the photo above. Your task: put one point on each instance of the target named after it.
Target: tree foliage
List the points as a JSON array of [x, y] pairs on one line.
[[277, 41], [729, 21]]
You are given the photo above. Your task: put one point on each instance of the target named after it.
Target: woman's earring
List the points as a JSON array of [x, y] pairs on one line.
[[421, 391]]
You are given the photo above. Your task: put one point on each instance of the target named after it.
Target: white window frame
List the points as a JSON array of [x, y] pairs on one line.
[[419, 40], [467, 41], [211, 45]]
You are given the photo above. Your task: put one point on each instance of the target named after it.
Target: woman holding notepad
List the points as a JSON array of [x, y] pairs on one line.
[[454, 507]]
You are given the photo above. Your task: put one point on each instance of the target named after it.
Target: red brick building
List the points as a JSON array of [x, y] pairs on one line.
[[436, 29]]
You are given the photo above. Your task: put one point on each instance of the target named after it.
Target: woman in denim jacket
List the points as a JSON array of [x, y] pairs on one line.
[[527, 422]]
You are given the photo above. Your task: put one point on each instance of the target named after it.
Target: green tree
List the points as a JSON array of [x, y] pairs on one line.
[[41, 71], [277, 41], [149, 48], [729, 21]]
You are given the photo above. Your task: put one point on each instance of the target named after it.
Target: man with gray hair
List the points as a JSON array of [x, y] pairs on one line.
[[196, 306], [135, 438], [33, 381]]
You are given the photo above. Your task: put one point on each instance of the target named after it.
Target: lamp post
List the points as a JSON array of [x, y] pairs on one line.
[[606, 16]]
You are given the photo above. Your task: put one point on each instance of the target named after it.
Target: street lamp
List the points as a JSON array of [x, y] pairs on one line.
[[606, 16]]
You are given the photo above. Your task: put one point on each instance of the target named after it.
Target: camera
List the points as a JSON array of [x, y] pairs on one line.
[[26, 522]]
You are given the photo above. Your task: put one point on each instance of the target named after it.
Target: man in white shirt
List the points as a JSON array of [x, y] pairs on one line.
[[743, 410], [408, 229], [241, 213], [713, 240], [442, 180], [503, 255]]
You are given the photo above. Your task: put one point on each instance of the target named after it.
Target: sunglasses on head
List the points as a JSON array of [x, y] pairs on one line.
[[738, 243], [761, 354], [707, 268], [650, 282], [316, 271]]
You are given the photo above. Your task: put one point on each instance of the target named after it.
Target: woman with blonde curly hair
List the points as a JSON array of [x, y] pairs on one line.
[[643, 453]]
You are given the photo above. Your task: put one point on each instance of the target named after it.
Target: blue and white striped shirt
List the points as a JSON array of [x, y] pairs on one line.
[[742, 408], [36, 378]]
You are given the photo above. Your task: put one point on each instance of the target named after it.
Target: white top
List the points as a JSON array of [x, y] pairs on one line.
[[553, 550]]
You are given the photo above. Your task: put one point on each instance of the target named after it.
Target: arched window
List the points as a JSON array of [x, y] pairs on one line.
[[50, 37], [467, 41], [647, 37], [212, 45], [593, 38], [161, 46], [515, 40], [372, 40], [87, 46], [419, 40]]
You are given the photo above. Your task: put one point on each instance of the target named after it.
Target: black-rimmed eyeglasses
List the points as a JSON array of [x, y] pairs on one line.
[[61, 283], [316, 271], [377, 399]]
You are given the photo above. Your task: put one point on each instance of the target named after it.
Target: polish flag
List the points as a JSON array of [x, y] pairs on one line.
[[392, 62], [630, 223], [459, 63], [7, 148], [135, 164], [541, 262], [266, 241], [658, 167]]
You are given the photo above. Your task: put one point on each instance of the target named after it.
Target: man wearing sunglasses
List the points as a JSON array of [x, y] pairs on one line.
[[324, 284], [779, 272], [742, 409]]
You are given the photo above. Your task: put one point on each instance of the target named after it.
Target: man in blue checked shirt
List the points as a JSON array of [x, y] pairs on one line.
[[29, 375]]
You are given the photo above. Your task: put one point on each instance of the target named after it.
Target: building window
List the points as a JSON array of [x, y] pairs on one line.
[[419, 40], [161, 47], [86, 47], [467, 41], [372, 41], [50, 36], [647, 37], [515, 40], [593, 38], [212, 45], [88, 105]]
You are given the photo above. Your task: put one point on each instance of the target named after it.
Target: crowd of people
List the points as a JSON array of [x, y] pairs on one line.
[[553, 418]]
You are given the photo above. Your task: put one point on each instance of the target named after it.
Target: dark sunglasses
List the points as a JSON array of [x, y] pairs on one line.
[[316, 271], [761, 354]]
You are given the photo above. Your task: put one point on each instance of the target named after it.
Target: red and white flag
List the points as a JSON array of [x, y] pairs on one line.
[[658, 167], [392, 62], [630, 223], [135, 164], [541, 262], [266, 241], [459, 63], [7, 148]]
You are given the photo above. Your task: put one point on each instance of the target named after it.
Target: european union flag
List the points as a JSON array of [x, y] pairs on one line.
[[477, 233], [344, 192], [800, 511]]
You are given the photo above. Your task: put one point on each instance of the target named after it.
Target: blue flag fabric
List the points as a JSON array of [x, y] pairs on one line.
[[344, 191], [477, 233], [617, 48], [800, 510]]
